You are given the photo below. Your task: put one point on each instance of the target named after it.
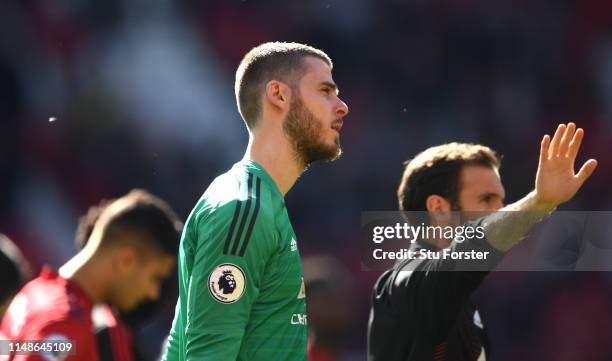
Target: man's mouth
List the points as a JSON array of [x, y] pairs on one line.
[[337, 126]]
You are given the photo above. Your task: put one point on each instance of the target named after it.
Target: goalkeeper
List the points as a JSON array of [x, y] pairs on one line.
[[241, 291]]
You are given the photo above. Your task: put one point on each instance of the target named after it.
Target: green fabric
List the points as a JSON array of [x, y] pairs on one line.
[[239, 229]]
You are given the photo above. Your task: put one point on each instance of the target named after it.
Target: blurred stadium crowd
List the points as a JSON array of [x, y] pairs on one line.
[[142, 96]]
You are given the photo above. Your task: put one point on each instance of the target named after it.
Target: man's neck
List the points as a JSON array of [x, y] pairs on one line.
[[276, 156], [82, 270]]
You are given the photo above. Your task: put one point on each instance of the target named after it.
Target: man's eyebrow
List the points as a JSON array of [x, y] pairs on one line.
[[331, 85], [491, 194]]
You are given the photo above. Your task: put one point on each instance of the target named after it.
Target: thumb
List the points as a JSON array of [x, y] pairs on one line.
[[587, 169]]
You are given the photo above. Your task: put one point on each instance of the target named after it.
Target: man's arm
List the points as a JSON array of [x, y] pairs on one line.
[[556, 183], [225, 281], [433, 298]]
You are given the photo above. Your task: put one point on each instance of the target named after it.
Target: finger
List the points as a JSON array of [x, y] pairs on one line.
[[574, 145], [553, 150], [544, 144], [587, 169], [565, 140]]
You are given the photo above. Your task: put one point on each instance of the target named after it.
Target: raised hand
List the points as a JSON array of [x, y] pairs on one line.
[[556, 181]]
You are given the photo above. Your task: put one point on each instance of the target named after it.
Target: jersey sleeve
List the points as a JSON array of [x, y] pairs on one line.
[[234, 244], [69, 331]]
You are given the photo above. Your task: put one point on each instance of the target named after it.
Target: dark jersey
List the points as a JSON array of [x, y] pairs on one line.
[[422, 311], [114, 336]]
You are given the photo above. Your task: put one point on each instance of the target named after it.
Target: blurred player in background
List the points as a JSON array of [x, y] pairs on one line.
[[114, 329], [241, 292], [329, 286], [458, 177], [14, 272], [429, 315], [131, 250]]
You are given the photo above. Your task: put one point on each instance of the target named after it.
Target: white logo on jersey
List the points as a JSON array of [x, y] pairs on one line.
[[226, 283], [299, 319], [302, 293], [293, 245], [477, 320]]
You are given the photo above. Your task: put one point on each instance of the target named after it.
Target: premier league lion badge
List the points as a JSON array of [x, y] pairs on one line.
[[226, 283]]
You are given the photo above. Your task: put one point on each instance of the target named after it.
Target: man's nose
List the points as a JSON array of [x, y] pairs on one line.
[[154, 293], [341, 109]]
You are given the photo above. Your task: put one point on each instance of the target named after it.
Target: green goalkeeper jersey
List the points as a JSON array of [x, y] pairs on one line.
[[241, 290]]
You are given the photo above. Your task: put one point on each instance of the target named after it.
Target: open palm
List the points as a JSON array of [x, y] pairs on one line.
[[556, 181]]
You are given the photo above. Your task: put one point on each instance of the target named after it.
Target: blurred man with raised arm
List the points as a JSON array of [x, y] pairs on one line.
[[420, 313]]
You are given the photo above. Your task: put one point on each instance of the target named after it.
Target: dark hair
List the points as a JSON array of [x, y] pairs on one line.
[[88, 221], [437, 170], [269, 61], [14, 270], [138, 211]]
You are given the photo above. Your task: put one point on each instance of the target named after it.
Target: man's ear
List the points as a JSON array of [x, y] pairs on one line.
[[439, 209], [278, 94], [125, 259], [436, 203]]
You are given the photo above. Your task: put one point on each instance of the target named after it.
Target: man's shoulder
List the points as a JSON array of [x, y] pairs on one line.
[[238, 190], [43, 304], [224, 189], [394, 282], [55, 300]]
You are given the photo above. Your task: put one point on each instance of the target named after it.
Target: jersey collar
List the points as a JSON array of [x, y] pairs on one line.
[[257, 169], [72, 286]]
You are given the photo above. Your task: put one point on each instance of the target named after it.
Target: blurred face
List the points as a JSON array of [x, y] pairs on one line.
[[314, 120], [481, 189], [329, 315], [141, 281]]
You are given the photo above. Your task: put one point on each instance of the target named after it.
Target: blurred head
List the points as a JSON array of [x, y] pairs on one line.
[[328, 286], [14, 272], [451, 177], [294, 82], [138, 235]]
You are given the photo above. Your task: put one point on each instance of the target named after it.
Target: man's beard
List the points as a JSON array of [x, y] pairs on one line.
[[306, 133]]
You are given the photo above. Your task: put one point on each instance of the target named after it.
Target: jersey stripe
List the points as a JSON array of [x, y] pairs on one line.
[[105, 352], [245, 215], [231, 229], [250, 229]]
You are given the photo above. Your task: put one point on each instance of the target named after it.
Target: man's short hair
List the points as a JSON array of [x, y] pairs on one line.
[[88, 221], [14, 270], [137, 211], [269, 61], [437, 170]]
